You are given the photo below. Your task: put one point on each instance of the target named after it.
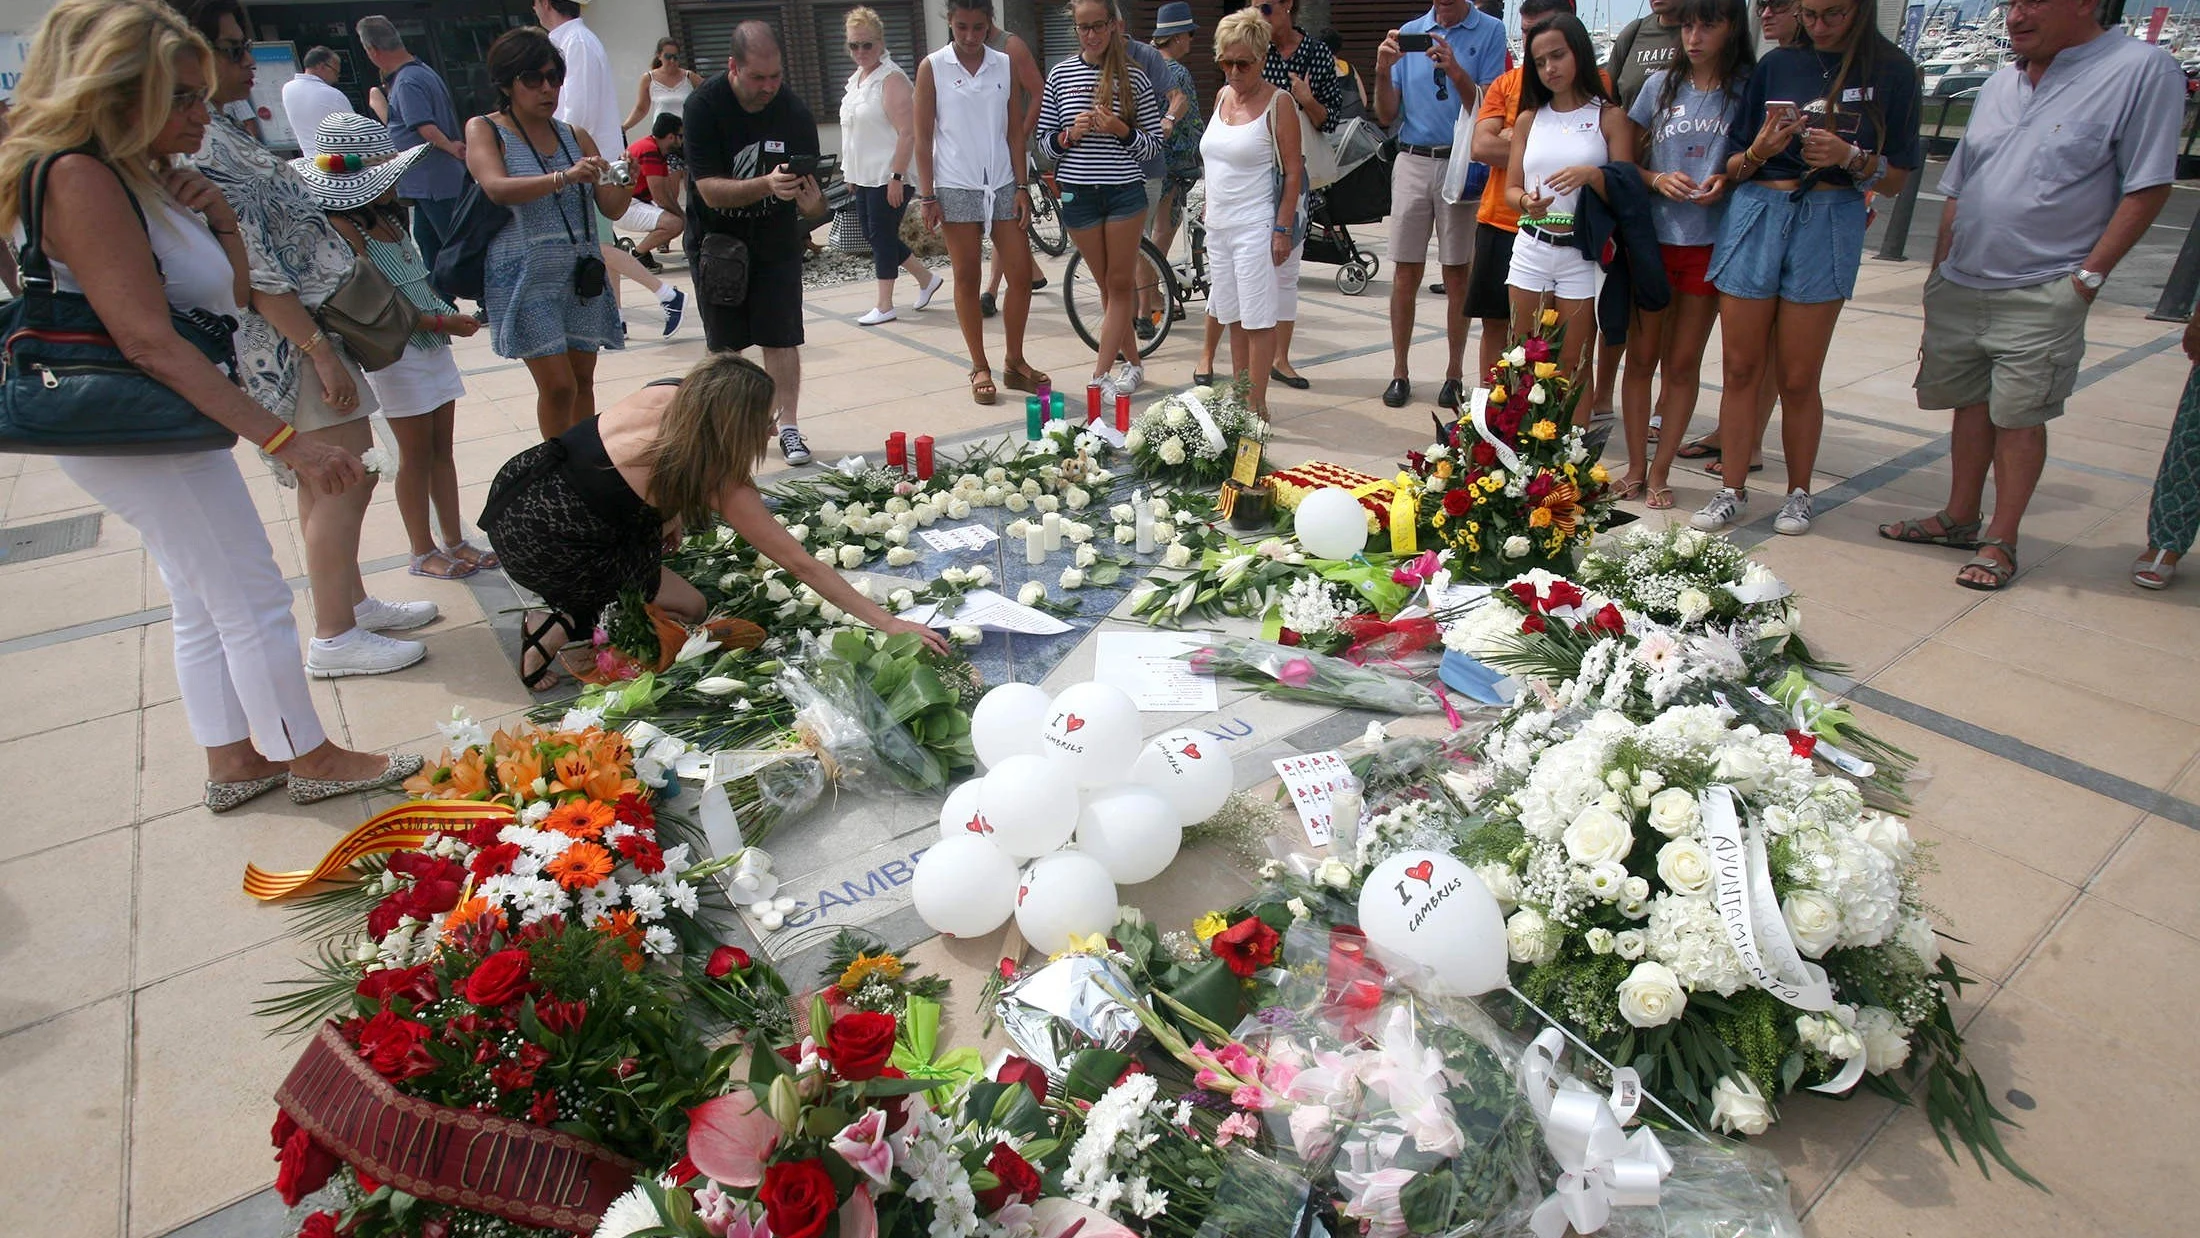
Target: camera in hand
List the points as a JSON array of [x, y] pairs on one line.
[[1413, 42], [621, 173]]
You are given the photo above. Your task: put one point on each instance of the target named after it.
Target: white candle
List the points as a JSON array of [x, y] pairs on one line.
[[1144, 521], [1035, 552], [1051, 532]]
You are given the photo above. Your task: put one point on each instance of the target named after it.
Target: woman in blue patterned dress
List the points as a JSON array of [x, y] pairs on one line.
[[546, 290]]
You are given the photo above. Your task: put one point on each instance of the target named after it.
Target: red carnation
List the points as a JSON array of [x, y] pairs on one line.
[[483, 833], [798, 1198], [394, 1047], [494, 860], [500, 979], [1608, 619], [415, 984], [302, 1167], [1246, 946], [1016, 1179], [858, 1045], [1018, 1070]]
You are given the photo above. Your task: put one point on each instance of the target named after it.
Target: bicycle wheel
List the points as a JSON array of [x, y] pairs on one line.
[[1155, 288], [1045, 226]]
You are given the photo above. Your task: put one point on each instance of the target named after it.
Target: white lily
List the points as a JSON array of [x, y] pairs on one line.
[[697, 644]]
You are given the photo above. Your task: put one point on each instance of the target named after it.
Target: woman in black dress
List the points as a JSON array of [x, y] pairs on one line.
[[589, 514]]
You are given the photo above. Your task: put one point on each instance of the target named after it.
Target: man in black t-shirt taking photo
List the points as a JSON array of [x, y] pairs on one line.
[[752, 155]]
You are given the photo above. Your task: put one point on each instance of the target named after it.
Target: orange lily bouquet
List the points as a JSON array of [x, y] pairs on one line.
[[1514, 484]]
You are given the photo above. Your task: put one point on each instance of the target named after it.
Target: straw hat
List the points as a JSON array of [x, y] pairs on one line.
[[357, 164]]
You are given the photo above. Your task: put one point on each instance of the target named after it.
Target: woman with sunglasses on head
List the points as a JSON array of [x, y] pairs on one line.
[[1570, 126], [1100, 117], [118, 90], [1776, 27], [877, 135], [1833, 119], [545, 283], [1685, 112], [295, 370], [1250, 224]]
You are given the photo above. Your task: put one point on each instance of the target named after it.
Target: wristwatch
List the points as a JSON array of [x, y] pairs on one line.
[[893, 176], [2090, 280]]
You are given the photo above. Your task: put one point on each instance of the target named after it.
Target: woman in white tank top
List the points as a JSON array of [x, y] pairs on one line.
[[665, 88], [876, 133], [970, 184], [1251, 253], [1569, 128]]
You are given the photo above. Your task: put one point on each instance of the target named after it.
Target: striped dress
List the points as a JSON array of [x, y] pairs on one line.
[[399, 262], [1101, 158]]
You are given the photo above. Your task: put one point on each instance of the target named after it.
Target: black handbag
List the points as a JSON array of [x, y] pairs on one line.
[[65, 387], [461, 266]]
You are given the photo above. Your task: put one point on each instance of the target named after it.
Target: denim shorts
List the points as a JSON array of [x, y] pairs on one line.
[[1805, 252], [1089, 206]]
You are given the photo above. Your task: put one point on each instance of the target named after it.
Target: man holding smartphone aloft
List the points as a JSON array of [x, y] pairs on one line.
[[1425, 72], [752, 154]]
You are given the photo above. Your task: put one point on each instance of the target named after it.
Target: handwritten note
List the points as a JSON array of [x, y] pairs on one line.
[[1310, 780], [965, 537], [1150, 667], [991, 612]]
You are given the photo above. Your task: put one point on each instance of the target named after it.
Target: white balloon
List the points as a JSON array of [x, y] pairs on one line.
[[1190, 770], [964, 887], [1093, 729], [1006, 722], [1064, 898], [1429, 909], [1331, 524], [1031, 807], [1132, 830], [960, 815]]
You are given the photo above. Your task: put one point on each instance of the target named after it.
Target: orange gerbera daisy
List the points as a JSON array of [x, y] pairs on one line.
[[472, 915], [580, 819], [583, 865], [1563, 508]]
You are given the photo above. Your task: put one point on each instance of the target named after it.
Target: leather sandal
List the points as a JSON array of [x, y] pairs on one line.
[[1956, 536], [982, 390], [1021, 377], [545, 674], [2001, 573]]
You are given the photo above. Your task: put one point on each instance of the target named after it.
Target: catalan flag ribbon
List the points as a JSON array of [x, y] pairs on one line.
[[402, 828]]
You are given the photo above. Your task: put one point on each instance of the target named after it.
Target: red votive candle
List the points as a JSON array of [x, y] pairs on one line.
[[1122, 412], [1092, 403], [924, 457], [897, 450]]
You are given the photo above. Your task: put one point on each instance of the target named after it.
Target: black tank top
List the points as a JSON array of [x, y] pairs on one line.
[[601, 485]]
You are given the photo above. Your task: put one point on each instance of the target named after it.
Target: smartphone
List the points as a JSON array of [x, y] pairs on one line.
[[802, 165], [1408, 42], [1781, 111]]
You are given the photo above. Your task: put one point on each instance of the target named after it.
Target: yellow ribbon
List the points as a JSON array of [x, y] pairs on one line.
[[1405, 516], [402, 828]]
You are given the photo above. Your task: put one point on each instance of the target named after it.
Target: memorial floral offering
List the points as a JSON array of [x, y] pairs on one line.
[[1191, 438]]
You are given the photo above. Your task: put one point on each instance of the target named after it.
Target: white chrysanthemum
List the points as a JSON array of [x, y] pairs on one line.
[[629, 1214]]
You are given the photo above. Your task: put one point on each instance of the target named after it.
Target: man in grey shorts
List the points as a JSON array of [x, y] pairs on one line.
[[2067, 159]]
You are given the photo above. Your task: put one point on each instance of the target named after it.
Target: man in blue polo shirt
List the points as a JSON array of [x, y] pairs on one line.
[[1421, 93]]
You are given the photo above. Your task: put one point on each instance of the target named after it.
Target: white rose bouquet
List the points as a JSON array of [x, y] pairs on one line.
[[1169, 442]]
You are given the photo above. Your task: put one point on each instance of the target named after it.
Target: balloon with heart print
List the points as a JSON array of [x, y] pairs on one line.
[[1132, 830], [1006, 722], [1031, 807], [1092, 730], [1428, 909], [1065, 898], [960, 814], [964, 887], [1190, 770]]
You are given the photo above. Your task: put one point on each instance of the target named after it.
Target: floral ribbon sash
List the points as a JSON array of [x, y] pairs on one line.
[[402, 828]]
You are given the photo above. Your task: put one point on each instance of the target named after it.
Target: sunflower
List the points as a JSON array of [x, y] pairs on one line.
[[884, 966], [581, 866], [580, 818]]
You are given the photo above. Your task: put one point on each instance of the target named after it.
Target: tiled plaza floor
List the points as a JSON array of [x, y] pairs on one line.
[[2059, 724]]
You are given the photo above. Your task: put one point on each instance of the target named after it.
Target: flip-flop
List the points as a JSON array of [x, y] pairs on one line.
[[1714, 470], [1698, 449], [1656, 503]]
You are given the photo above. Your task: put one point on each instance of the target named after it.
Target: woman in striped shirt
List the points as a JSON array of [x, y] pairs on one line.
[[1099, 117]]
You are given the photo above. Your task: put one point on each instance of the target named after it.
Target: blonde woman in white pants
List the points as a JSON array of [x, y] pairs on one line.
[[1249, 222], [237, 660]]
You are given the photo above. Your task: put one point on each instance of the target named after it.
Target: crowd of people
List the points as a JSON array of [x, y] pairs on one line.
[[1716, 172]]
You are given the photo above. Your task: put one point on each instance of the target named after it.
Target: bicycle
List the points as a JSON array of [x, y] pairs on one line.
[[1173, 285], [1045, 227]]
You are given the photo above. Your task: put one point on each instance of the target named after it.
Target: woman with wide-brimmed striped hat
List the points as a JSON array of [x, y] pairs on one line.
[[354, 178]]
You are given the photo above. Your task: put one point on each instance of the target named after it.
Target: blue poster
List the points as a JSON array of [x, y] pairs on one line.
[[1913, 23]]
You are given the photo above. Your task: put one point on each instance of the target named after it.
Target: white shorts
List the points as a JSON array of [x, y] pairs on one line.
[[641, 216], [1563, 271], [1248, 289], [421, 381]]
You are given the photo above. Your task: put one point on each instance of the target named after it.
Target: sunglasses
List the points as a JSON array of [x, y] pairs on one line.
[[1443, 84], [1776, 6], [1234, 66], [864, 46], [1825, 17], [186, 99], [235, 50], [536, 79]]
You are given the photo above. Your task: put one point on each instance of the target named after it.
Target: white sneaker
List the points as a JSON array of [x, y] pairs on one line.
[[1794, 517], [874, 317], [924, 297], [360, 652], [376, 615], [1727, 507], [1127, 377]]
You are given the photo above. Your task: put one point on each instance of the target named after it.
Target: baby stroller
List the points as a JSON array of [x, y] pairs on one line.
[[1360, 196]]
